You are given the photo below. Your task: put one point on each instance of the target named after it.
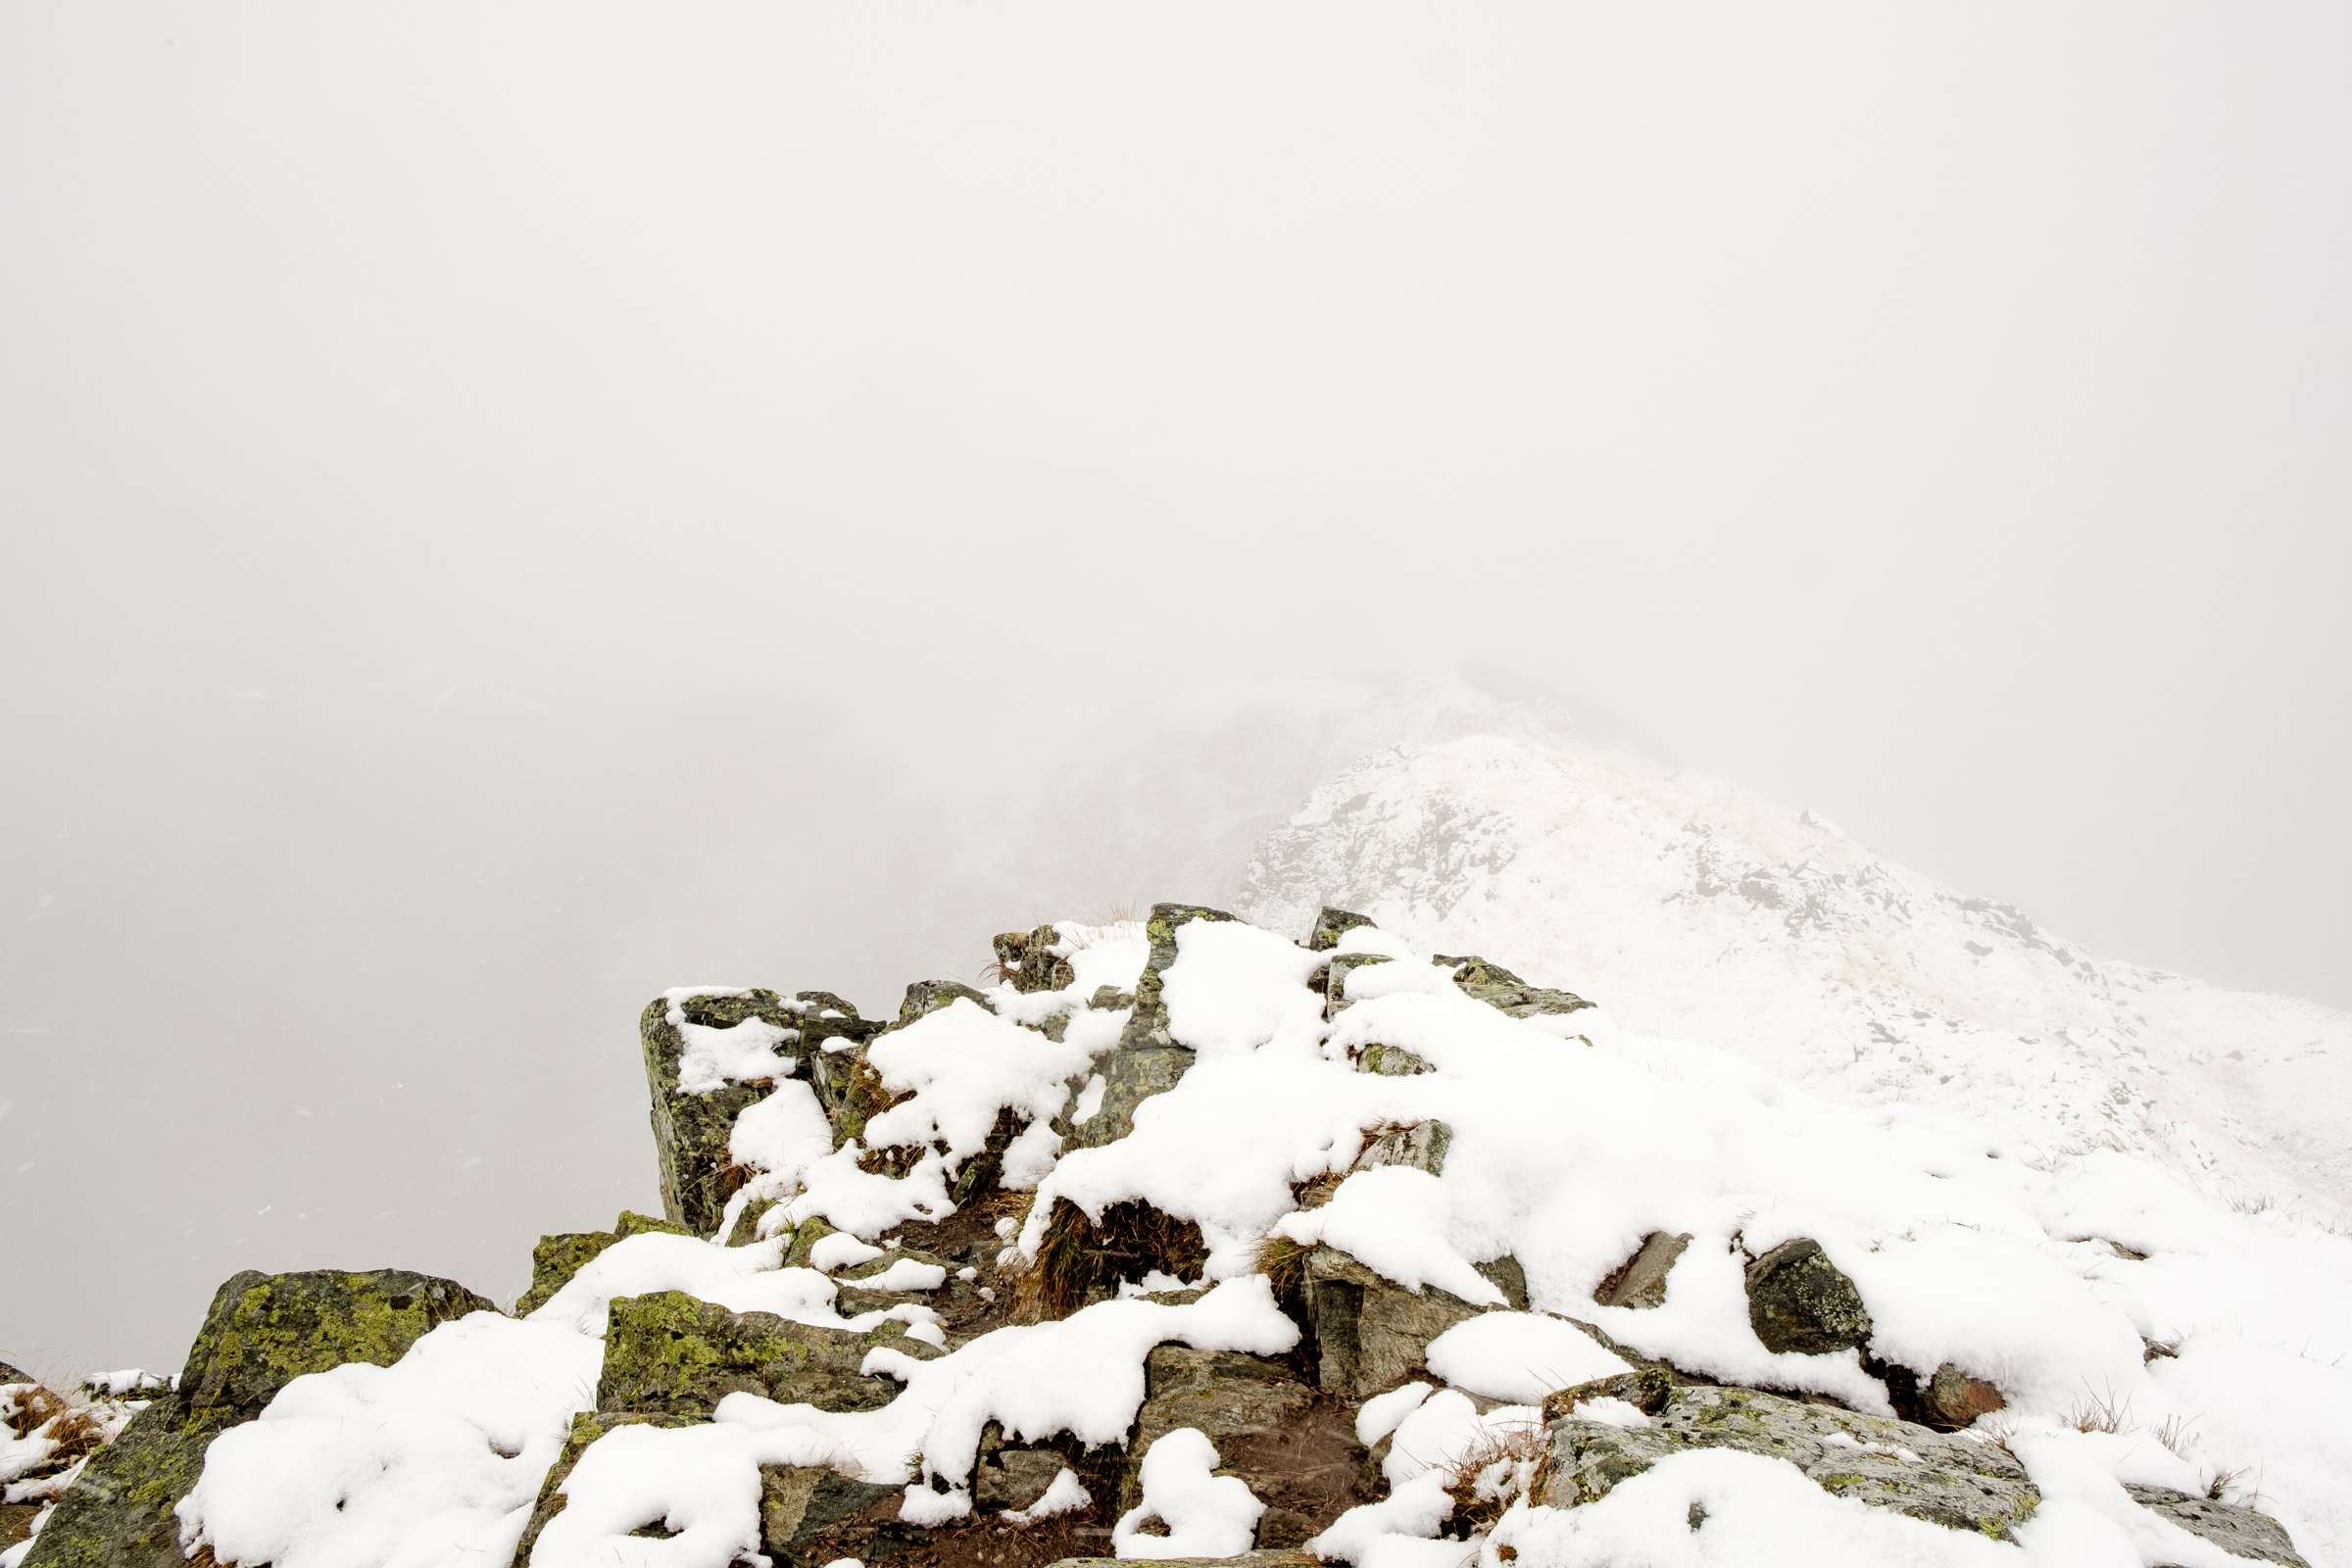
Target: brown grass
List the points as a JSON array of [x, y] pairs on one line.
[[1518, 1450], [1077, 1256]]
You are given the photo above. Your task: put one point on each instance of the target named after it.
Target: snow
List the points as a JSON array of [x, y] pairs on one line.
[[1381, 1414], [1519, 1357], [965, 1065], [1064, 1493], [1200, 1514], [904, 1274], [839, 1251], [1394, 1220]]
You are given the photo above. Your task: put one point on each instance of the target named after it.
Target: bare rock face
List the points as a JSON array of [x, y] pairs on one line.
[[1641, 1280], [1877, 1461], [1799, 1300]]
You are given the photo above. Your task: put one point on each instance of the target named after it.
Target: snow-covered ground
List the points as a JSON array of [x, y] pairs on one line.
[[1693, 908]]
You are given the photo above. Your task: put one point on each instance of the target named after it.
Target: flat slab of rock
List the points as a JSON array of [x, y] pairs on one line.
[[1898, 1465], [2240, 1531]]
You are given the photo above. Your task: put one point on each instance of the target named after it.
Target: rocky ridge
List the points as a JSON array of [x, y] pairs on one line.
[[884, 1241]]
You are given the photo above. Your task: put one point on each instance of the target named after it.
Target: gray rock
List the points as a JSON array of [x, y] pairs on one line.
[[261, 1333], [1505, 992], [1014, 1477], [1390, 1061], [1334, 978], [1147, 1025], [1641, 1280], [1419, 1145], [1331, 925], [926, 996], [799, 1505], [1370, 1332], [1131, 1075], [1799, 1300], [1928, 1475], [10, 1374], [673, 1354], [691, 1131], [2240, 1531]]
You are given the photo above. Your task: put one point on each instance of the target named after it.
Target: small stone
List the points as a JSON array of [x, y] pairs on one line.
[[1952, 1400], [1419, 1145], [1331, 925]]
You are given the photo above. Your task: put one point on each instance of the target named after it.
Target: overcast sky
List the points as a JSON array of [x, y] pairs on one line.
[[506, 509]]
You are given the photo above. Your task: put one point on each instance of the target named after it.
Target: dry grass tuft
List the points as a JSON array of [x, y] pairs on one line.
[[1487, 1477], [1077, 1256]]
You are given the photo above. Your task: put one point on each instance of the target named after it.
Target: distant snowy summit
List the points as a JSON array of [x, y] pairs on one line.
[[1695, 909], [1188, 1239]]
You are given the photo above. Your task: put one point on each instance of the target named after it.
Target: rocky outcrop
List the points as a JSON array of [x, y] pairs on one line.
[[1799, 1300], [1876, 1460], [263, 1332], [692, 1127]]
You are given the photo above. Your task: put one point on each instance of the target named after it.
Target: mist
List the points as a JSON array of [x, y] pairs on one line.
[[505, 512]]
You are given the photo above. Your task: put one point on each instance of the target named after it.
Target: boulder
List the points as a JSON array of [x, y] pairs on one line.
[[1332, 924], [1641, 1280], [10, 1374], [691, 1131], [1012, 1474], [802, 1506], [262, 1332], [2240, 1531], [1334, 978], [1147, 1026], [1148, 1061], [1370, 1333], [1296, 1449], [556, 1259], [265, 1330], [1504, 992], [1952, 1399], [1420, 1146], [674, 1354], [1877, 1460], [586, 1428], [1390, 1061], [926, 996], [1799, 1300]]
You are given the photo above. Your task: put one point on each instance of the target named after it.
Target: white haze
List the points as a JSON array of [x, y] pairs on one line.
[[503, 509]]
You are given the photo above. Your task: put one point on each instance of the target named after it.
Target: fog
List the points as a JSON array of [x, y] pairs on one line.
[[507, 509]]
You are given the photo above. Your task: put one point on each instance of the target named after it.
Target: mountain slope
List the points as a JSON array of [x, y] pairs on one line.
[[1693, 908]]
